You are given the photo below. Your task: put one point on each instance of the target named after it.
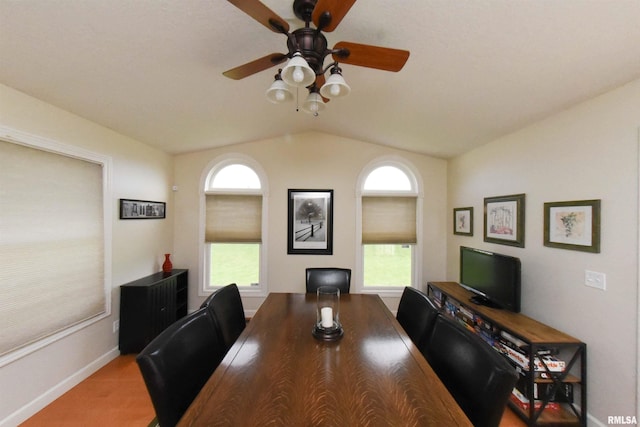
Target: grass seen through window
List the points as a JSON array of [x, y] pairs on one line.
[[387, 265], [234, 263]]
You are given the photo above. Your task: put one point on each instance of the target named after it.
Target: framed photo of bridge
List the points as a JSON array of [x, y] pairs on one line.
[[310, 225]]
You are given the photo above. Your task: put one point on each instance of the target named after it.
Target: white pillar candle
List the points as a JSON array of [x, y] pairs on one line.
[[326, 314]]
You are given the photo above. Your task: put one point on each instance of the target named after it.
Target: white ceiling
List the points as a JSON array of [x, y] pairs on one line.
[[479, 69]]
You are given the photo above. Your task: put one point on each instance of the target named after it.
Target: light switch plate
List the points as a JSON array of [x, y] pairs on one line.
[[595, 279]]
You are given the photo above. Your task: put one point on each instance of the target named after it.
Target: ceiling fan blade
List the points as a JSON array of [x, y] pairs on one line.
[[364, 55], [337, 9], [256, 66], [261, 13]]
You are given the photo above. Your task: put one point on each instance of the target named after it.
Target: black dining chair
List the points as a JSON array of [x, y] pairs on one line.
[[178, 362], [336, 277], [225, 306], [478, 377], [416, 314]]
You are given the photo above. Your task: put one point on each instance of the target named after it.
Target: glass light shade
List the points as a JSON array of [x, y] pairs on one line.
[[297, 72], [335, 87], [313, 104], [279, 92]]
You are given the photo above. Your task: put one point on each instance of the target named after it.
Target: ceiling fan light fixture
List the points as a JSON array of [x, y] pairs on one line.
[[314, 103], [297, 72], [335, 86], [279, 91]]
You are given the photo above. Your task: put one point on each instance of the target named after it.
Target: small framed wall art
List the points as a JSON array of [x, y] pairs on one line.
[[504, 220], [310, 222], [573, 225], [141, 209], [463, 221]]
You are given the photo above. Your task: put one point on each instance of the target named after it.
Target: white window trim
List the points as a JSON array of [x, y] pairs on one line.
[[208, 173], [416, 257], [50, 145]]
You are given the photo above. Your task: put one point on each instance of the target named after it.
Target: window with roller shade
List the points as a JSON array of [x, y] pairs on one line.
[[389, 228], [54, 241], [233, 227]]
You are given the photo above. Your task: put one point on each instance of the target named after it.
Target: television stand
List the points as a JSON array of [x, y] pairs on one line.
[[480, 300], [551, 365]]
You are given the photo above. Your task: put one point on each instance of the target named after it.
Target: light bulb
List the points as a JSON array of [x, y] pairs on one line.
[[335, 90], [314, 108], [297, 75], [280, 95]]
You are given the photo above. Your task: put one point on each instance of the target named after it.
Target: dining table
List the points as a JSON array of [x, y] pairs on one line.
[[279, 374]]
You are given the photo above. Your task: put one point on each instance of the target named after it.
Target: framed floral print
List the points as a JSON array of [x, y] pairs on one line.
[[463, 221], [573, 225]]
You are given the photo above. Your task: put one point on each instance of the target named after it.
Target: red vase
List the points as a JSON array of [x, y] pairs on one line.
[[167, 267]]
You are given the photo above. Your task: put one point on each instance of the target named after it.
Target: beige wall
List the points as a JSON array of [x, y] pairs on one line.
[[139, 172], [587, 152], [308, 160]]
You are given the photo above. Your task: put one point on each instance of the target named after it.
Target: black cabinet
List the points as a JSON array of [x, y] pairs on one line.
[[150, 304]]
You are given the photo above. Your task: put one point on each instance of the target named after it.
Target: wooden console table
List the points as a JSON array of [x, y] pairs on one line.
[[557, 387]]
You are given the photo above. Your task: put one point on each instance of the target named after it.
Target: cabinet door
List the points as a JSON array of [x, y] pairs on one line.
[[162, 302]]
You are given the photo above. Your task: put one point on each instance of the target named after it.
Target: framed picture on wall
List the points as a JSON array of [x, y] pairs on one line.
[[310, 222], [142, 209], [573, 225], [504, 220], [463, 221]]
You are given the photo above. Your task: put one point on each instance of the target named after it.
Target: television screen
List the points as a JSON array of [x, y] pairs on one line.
[[492, 277]]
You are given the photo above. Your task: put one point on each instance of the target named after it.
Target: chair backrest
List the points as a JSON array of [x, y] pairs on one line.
[[337, 277], [225, 306], [178, 362], [416, 314], [476, 375]]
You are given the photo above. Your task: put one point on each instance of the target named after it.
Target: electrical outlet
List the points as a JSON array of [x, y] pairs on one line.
[[595, 279], [116, 326]]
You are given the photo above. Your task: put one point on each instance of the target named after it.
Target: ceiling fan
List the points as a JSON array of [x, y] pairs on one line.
[[307, 50]]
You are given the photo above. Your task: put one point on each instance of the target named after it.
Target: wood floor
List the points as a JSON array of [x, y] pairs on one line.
[[116, 396], [113, 396]]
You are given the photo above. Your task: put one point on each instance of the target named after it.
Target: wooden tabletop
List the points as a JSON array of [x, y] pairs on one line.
[[278, 374]]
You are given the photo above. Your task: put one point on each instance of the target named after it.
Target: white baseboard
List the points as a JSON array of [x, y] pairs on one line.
[[594, 422], [58, 390]]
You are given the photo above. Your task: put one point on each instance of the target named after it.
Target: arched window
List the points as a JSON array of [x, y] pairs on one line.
[[233, 238], [390, 209]]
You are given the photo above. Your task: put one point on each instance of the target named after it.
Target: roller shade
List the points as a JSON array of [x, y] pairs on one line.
[[388, 220], [233, 218], [51, 244]]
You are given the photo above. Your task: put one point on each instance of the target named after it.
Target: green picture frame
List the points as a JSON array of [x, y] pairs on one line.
[[504, 220], [573, 225], [463, 221]]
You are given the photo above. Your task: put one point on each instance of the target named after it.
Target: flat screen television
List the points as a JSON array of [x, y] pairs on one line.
[[493, 278]]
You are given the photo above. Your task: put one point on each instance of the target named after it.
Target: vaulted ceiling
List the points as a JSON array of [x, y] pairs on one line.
[[478, 69]]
